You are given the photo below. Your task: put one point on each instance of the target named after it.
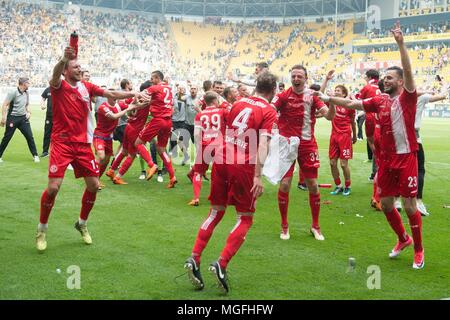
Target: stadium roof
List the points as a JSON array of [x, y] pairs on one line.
[[233, 8]]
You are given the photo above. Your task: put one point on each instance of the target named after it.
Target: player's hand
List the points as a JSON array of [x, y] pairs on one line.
[[330, 75], [2, 122], [258, 188], [354, 139], [322, 96], [28, 115], [69, 53], [398, 34], [143, 97]]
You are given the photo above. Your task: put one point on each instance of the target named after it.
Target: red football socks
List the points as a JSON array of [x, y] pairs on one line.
[[348, 183], [117, 161], [283, 204], [197, 185], [235, 239], [395, 220], [415, 222], [125, 166], [87, 203], [337, 181], [205, 233], [167, 164], [314, 203], [102, 168], [47, 203], [145, 155]]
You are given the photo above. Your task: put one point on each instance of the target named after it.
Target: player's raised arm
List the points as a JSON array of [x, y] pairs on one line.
[[69, 54], [442, 95], [328, 78], [406, 62]]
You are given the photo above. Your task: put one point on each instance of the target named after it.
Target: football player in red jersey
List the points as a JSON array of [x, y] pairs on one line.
[[161, 108], [108, 116], [343, 136], [396, 111], [237, 179], [136, 121], [72, 135], [209, 132], [370, 90], [298, 109]]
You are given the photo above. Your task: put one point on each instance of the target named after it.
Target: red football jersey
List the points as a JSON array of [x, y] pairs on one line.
[[161, 105], [212, 123], [396, 118], [248, 118], [138, 118], [105, 125], [342, 121], [72, 119], [298, 115], [368, 91]]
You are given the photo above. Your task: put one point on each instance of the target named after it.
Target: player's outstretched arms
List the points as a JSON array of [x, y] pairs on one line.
[[343, 102]]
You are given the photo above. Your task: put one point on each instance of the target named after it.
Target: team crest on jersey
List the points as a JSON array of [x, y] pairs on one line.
[[53, 168]]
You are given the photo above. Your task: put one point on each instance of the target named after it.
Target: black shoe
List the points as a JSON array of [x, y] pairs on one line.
[[302, 186], [44, 154], [372, 176], [194, 273], [221, 276]]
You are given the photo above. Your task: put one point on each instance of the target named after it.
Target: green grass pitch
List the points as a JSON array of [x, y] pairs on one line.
[[143, 233]]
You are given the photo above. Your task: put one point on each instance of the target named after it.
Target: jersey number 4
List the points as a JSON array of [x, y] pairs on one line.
[[241, 120]]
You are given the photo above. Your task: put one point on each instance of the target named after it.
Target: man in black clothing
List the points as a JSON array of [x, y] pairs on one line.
[[46, 96], [16, 115]]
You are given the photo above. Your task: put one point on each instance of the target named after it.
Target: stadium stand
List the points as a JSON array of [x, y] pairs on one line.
[[129, 44]]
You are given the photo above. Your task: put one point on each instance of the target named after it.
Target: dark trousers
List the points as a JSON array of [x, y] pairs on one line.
[[47, 133], [154, 152], [369, 152], [190, 128], [360, 122], [421, 167], [21, 123], [177, 135]]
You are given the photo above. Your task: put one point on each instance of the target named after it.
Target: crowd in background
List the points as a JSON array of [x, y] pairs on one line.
[[116, 45]]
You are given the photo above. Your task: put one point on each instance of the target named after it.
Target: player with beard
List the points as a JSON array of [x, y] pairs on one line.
[[398, 167]]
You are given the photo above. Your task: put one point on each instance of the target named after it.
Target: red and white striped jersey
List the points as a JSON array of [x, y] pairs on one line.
[[298, 115], [396, 118]]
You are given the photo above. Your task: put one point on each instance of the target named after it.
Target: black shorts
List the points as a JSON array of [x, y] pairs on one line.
[[118, 133]]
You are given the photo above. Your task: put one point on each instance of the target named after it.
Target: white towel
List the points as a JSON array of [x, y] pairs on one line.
[[282, 154]]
